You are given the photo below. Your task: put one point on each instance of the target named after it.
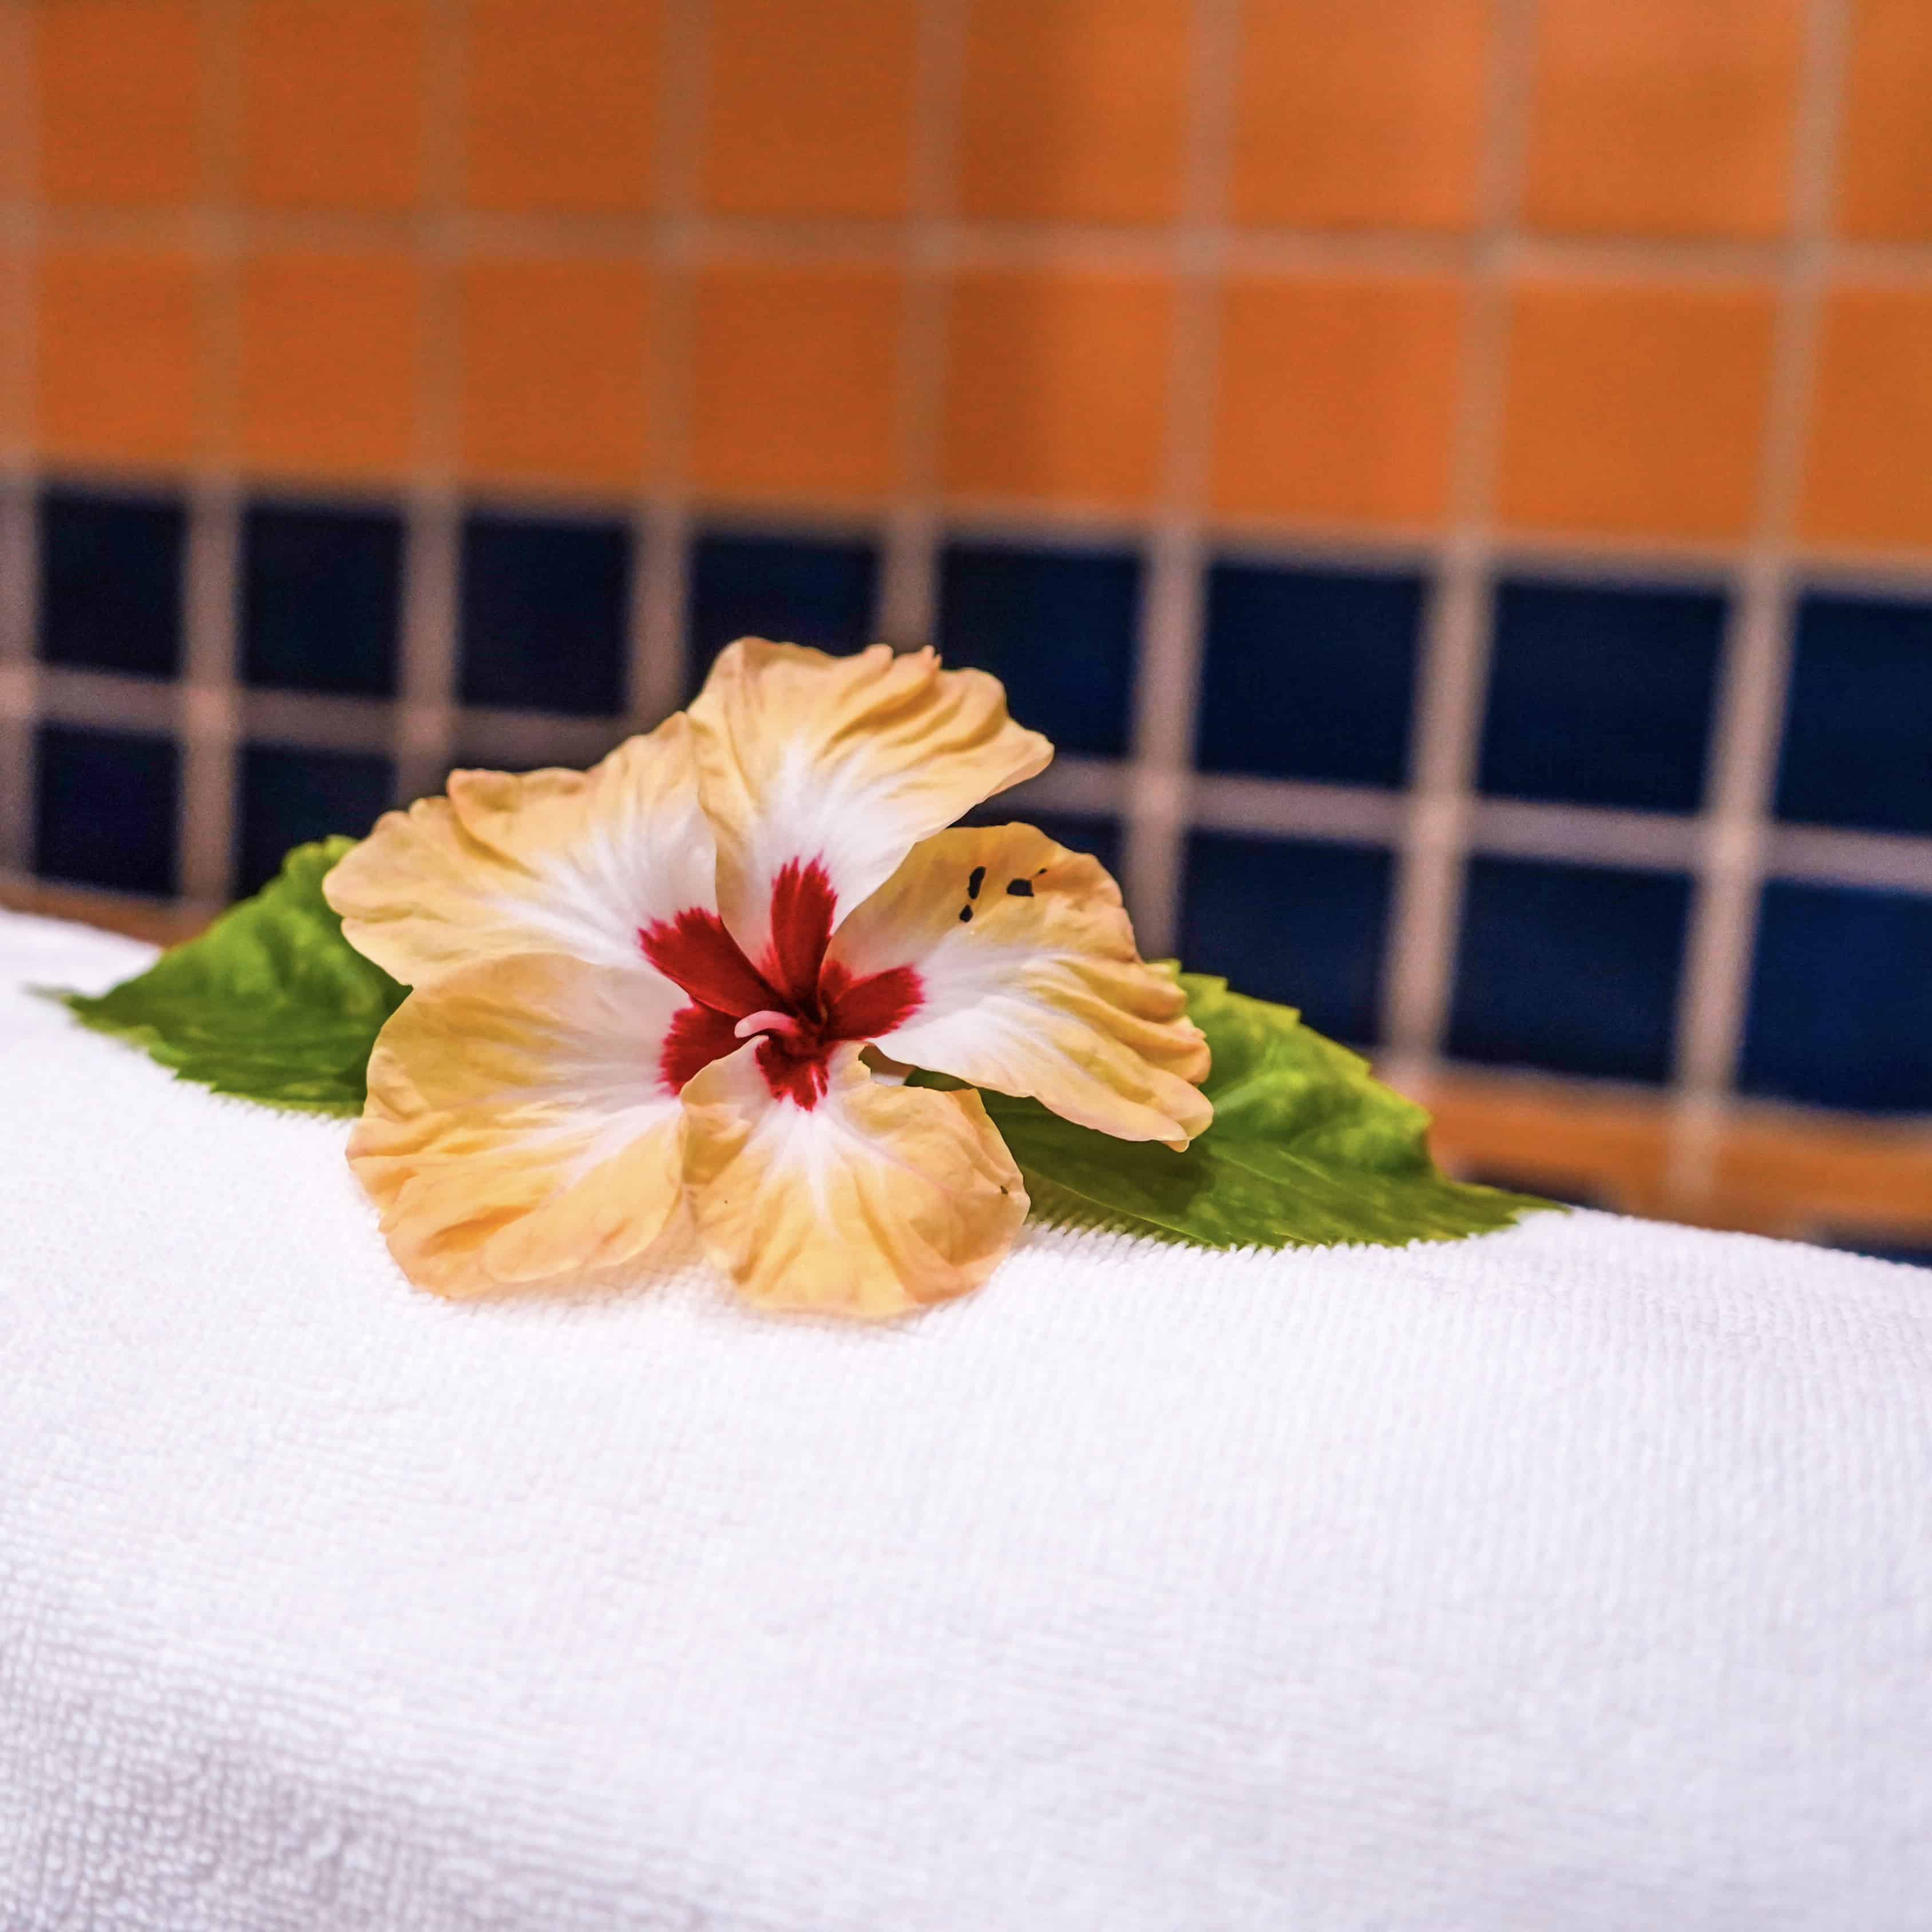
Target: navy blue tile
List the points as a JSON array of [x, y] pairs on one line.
[[1057, 626], [289, 796], [321, 598], [1841, 999], [1292, 920], [545, 615], [1858, 730], [1601, 695], [795, 589], [1571, 968], [104, 808], [111, 582], [1309, 673]]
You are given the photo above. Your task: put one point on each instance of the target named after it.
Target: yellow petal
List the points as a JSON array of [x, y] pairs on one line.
[[1029, 983], [842, 763], [518, 1131], [556, 861], [877, 1200]]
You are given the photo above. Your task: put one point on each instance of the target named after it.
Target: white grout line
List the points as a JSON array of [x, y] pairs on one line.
[[1158, 802], [1419, 968], [424, 738], [1582, 835], [1289, 807], [20, 222], [208, 806], [661, 587], [1167, 662], [20, 693], [908, 594], [20, 708], [1711, 1008], [660, 593], [424, 734], [880, 241], [1824, 855], [116, 700], [317, 721], [208, 696]]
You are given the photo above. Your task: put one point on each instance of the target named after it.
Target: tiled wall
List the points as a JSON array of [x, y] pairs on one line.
[[1455, 477]]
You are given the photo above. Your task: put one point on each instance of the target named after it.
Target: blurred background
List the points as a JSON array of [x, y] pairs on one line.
[[1454, 477]]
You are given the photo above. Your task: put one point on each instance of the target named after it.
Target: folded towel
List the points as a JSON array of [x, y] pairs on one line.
[[1576, 1577]]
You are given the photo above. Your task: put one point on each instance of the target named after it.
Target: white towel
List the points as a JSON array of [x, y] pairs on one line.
[[1578, 1576]]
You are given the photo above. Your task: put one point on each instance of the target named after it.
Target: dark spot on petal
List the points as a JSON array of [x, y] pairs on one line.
[[974, 881], [1019, 889], [965, 914]]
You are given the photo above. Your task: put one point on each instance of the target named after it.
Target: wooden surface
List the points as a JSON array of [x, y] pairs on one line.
[[1804, 1174], [158, 923]]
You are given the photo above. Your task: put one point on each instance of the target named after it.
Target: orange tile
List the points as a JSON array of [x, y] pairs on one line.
[[329, 353], [554, 366], [332, 103], [1552, 1132], [1652, 117], [19, 164], [562, 105], [1056, 386], [1782, 1167], [794, 384], [119, 361], [809, 110], [16, 299], [1075, 110], [1634, 410], [1337, 399], [1364, 114], [1867, 478], [120, 101], [1885, 152]]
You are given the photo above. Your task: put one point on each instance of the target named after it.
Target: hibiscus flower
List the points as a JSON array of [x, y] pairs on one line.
[[695, 976]]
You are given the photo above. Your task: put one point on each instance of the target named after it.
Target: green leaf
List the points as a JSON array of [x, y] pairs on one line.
[[1307, 1148], [271, 1003]]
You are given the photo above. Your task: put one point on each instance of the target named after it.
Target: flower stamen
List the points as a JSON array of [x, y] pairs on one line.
[[786, 1026]]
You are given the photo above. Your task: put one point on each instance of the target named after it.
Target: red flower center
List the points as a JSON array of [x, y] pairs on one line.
[[801, 1004]]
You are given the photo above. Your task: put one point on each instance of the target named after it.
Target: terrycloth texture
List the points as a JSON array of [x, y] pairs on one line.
[[1579, 1576]]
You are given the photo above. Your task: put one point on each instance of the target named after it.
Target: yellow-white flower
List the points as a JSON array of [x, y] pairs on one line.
[[670, 980]]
